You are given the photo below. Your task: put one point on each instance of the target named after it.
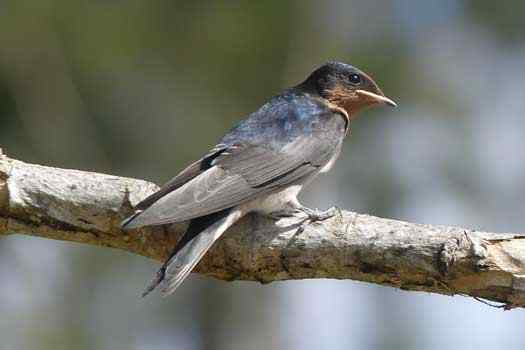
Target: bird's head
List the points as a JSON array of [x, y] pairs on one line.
[[346, 87]]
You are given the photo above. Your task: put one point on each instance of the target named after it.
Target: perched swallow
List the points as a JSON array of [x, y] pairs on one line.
[[259, 166]]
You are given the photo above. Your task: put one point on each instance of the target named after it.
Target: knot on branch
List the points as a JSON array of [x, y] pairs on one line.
[[462, 246], [447, 255]]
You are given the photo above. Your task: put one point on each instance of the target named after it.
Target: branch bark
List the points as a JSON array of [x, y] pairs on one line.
[[87, 207]]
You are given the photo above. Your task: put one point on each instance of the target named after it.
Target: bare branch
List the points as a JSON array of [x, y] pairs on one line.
[[87, 207]]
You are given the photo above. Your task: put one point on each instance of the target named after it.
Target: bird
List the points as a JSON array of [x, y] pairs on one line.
[[260, 166]]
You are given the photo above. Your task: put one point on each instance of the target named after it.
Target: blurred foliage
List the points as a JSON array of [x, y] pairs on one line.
[[505, 20]]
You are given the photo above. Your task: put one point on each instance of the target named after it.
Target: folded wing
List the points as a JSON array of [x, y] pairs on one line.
[[238, 174]]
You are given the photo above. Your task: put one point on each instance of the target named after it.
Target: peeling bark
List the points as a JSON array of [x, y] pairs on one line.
[[87, 207]]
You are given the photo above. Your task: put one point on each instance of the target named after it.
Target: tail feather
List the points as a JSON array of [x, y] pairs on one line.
[[126, 223], [197, 240]]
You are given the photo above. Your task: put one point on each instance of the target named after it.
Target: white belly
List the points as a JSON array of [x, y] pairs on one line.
[[275, 201]]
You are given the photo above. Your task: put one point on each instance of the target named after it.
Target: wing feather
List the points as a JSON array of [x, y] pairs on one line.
[[235, 177], [190, 172]]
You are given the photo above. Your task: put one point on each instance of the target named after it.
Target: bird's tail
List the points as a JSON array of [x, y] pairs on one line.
[[198, 239]]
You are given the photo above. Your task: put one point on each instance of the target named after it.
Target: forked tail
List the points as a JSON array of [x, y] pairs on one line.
[[198, 239]]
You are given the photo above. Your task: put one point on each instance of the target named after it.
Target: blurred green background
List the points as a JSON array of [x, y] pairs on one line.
[[142, 87]]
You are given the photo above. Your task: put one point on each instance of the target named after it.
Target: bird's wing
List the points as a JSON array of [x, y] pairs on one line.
[[240, 173], [190, 172]]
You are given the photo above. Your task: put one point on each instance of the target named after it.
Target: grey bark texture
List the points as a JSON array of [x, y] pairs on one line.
[[87, 207]]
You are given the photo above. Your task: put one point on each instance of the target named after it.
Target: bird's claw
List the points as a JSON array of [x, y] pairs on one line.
[[312, 215], [315, 215]]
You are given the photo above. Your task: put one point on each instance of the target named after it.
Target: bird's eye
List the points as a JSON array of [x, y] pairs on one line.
[[355, 78]]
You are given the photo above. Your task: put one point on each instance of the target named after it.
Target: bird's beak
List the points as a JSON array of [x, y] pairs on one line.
[[376, 98]]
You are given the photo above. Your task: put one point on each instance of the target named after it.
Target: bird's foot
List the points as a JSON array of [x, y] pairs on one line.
[[312, 215], [315, 215]]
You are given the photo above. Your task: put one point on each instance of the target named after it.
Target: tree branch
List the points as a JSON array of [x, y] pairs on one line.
[[87, 207]]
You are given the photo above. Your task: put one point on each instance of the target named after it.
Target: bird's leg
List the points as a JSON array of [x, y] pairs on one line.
[[287, 212], [287, 209], [319, 215], [314, 215], [292, 209]]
